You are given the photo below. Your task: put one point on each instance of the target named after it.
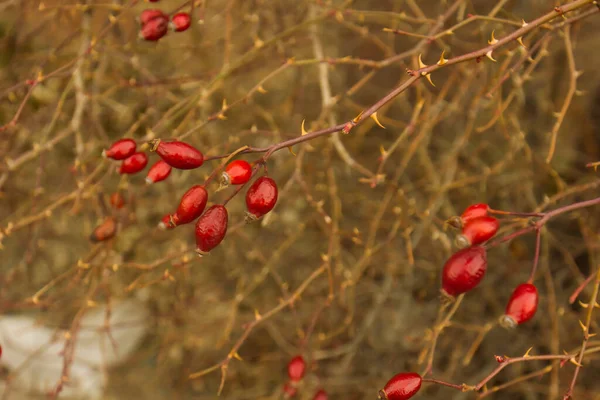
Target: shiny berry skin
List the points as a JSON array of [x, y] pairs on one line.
[[150, 14], [134, 163], [521, 307], [158, 172], [154, 29], [106, 230], [237, 172], [464, 270], [261, 197], [178, 154], [289, 391], [120, 150], [477, 230], [117, 200], [211, 228], [402, 386], [191, 205], [474, 211], [181, 22], [321, 395], [296, 368]]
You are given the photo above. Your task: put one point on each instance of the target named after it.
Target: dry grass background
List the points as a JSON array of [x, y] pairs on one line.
[[385, 245]]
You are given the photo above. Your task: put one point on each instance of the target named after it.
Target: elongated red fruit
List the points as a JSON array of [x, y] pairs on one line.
[[464, 270], [474, 211], [120, 150], [321, 395], [261, 197], [191, 205], [236, 172], [178, 154], [134, 163], [521, 306], [181, 22], [151, 13], [154, 29], [477, 230], [296, 368], [106, 230], [158, 172], [402, 386], [211, 228]]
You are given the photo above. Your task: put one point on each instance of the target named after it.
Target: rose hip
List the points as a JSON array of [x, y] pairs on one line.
[[151, 13], [402, 386], [181, 22], [178, 154], [464, 270], [521, 307], [120, 150], [106, 230], [211, 228], [191, 205], [477, 230], [296, 368], [474, 211], [158, 172], [261, 197], [237, 172], [321, 395], [154, 29], [134, 163], [117, 200]]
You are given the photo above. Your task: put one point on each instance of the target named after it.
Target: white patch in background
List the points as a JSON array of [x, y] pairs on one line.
[[32, 353]]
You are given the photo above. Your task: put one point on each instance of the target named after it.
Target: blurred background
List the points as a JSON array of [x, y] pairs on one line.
[[346, 269]]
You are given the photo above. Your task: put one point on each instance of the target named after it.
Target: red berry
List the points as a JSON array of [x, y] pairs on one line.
[[477, 231], [237, 172], [289, 391], [120, 150], [402, 386], [296, 368], [521, 307], [474, 211], [155, 29], [181, 21], [191, 205], [151, 13], [321, 395], [166, 222], [116, 200], [106, 230], [178, 155], [261, 197], [211, 228], [158, 172], [464, 270], [134, 163]]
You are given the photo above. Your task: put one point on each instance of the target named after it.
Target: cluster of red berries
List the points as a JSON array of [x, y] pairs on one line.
[[155, 24], [296, 369], [465, 269], [211, 225]]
